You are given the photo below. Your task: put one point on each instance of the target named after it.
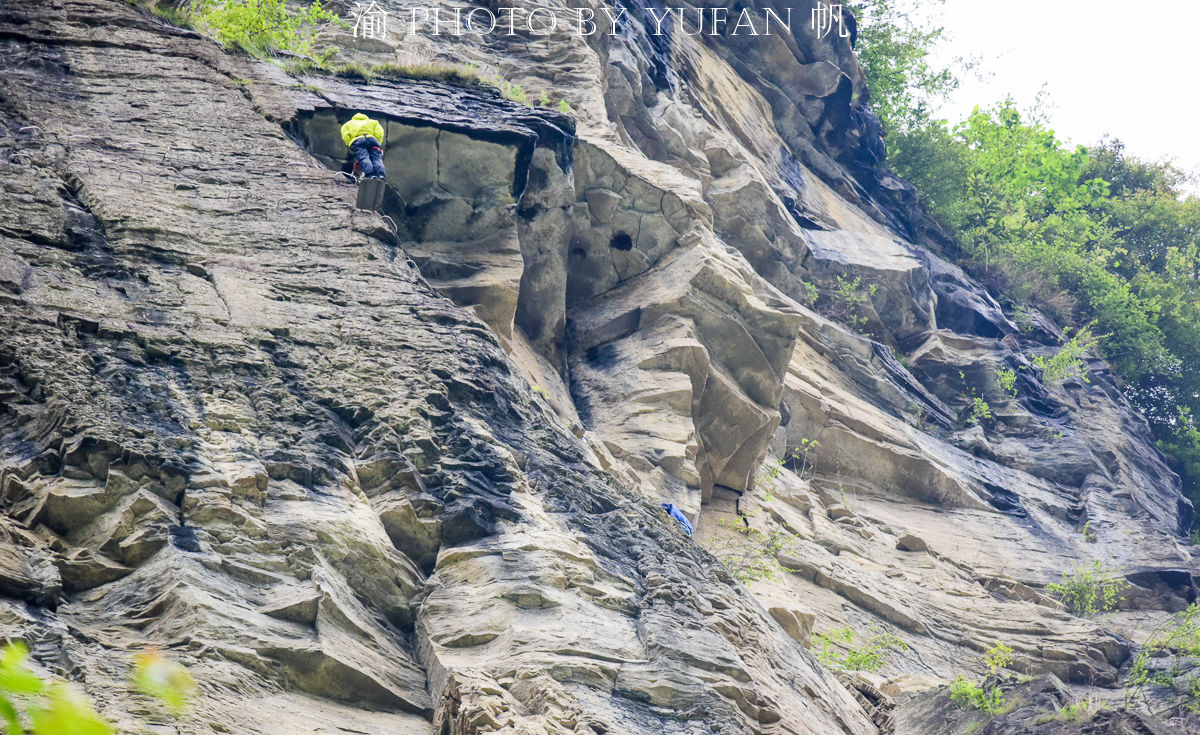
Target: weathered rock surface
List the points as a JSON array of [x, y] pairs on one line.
[[1043, 706], [401, 473]]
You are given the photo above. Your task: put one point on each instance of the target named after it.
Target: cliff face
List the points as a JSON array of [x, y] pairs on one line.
[[402, 473]]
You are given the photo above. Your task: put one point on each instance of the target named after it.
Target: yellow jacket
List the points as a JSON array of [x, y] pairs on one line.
[[361, 125]]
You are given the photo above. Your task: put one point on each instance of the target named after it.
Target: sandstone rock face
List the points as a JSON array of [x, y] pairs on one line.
[[1041, 708], [401, 471]]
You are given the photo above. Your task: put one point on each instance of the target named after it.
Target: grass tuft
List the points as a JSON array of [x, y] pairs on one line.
[[355, 70], [430, 71]]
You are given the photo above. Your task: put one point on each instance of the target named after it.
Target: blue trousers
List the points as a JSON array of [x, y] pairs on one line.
[[369, 155]]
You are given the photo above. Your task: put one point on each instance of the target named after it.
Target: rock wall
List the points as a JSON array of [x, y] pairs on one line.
[[400, 472]]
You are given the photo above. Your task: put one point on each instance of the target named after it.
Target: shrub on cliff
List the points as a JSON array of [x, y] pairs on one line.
[[986, 696], [1068, 361], [1089, 590], [1170, 651], [836, 650], [989, 700]]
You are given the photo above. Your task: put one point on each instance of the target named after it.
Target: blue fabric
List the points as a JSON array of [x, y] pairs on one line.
[[369, 156], [678, 515]]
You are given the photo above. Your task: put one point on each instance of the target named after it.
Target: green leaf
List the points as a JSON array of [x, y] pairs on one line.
[[11, 717], [68, 712], [15, 676]]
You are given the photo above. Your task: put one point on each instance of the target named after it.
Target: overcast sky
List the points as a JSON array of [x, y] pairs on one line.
[[1127, 69]]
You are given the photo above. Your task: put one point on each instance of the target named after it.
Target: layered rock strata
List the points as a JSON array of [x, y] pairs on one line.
[[401, 471]]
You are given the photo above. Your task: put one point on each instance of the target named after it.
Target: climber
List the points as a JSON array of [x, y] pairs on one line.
[[365, 138]]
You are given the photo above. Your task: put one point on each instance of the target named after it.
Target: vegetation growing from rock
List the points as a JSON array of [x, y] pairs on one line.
[[1082, 711], [987, 696], [463, 76], [1088, 533], [754, 557], [836, 649], [512, 91], [421, 69], [798, 460], [355, 70], [261, 26], [998, 657], [752, 554], [169, 13], [1006, 379], [980, 411], [1168, 662], [428, 70], [987, 699], [1089, 590], [1068, 361], [849, 301]]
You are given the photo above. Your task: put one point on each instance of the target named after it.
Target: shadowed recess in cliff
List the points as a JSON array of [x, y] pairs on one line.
[[481, 115]]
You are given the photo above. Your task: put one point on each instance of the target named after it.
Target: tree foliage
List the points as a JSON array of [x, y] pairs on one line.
[[28, 703], [1094, 237], [895, 53]]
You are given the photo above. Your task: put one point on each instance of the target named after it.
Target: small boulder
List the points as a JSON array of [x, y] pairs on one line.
[[909, 542]]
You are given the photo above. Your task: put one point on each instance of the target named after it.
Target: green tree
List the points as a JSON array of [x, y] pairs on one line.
[[1090, 236], [896, 54]]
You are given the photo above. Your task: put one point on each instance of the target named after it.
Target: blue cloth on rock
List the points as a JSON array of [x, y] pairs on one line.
[[678, 515]]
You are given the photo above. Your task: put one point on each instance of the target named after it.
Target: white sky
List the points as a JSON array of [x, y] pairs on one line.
[[1123, 68]]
